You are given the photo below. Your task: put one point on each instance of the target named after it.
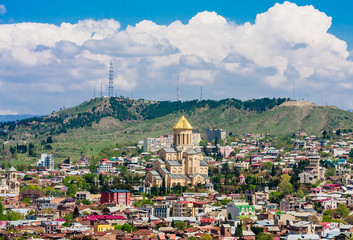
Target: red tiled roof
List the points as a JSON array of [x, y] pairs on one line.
[[105, 217]]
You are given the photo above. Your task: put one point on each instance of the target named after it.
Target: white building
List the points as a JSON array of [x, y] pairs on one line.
[[156, 144], [46, 161]]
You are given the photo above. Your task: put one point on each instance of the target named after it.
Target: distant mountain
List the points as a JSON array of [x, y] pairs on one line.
[[11, 118], [104, 122]]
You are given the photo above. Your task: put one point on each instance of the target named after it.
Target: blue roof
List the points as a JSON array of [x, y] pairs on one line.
[[118, 191]]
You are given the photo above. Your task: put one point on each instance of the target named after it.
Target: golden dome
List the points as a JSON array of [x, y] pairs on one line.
[[182, 124]]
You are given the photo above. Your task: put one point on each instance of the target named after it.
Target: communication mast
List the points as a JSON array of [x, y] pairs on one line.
[[201, 94], [178, 92], [111, 77]]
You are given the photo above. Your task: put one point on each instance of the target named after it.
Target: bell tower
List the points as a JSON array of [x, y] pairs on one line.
[[14, 186], [182, 133]]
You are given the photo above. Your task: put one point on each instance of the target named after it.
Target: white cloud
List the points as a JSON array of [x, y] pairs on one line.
[[7, 112], [285, 43], [2, 9]]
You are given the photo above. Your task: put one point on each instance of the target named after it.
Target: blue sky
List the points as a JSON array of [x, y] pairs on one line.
[[66, 68]]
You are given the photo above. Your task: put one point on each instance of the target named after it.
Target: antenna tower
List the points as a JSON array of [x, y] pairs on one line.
[[201, 94], [94, 90], [111, 77], [101, 89], [293, 88], [178, 92]]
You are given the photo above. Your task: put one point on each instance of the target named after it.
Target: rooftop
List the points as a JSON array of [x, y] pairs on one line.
[[182, 124]]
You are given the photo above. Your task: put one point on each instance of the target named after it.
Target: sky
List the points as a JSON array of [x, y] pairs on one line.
[[53, 54]]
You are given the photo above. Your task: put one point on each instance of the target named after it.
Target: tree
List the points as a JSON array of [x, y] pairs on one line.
[[342, 210], [66, 224], [351, 153], [126, 227], [300, 193], [76, 213], [239, 230], [273, 171], [206, 237], [27, 201], [257, 230], [2, 208], [180, 225], [72, 190], [264, 236], [285, 187], [349, 219], [324, 133], [338, 132], [318, 206], [330, 172]]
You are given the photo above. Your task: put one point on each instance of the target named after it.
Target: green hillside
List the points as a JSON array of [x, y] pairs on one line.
[[105, 122]]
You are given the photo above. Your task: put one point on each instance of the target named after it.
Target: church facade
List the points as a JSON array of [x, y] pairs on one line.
[[10, 184], [181, 164]]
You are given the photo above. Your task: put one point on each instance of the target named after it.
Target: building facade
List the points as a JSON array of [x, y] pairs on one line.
[[116, 196], [156, 144], [10, 184], [46, 161], [216, 134], [181, 164]]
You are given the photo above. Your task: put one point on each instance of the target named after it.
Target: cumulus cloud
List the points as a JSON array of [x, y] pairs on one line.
[[284, 44]]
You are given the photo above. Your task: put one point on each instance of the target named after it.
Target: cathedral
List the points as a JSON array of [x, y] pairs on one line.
[[181, 164], [10, 184]]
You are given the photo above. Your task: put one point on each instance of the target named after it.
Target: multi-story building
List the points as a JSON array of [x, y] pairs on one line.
[[215, 134], [156, 144], [163, 210], [116, 196], [46, 161], [166, 141], [288, 205], [83, 195], [313, 172]]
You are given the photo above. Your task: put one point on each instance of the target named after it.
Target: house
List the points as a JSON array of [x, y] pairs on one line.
[[226, 230], [236, 209]]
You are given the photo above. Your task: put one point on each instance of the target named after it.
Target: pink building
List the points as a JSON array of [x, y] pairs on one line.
[[225, 150]]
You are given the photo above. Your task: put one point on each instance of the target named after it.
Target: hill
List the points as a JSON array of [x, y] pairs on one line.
[[101, 122], [11, 118]]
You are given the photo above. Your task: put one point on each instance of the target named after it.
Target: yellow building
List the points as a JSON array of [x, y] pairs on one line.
[[181, 164], [102, 227]]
